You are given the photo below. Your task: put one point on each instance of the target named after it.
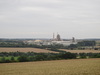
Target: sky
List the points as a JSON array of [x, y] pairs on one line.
[[42, 18]]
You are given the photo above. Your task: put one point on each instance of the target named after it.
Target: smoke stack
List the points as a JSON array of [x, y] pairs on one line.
[[53, 36]]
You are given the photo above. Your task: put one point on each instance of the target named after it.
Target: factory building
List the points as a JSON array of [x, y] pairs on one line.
[[58, 40], [54, 40]]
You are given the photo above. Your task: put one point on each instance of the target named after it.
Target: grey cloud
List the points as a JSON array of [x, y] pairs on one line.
[[79, 18]]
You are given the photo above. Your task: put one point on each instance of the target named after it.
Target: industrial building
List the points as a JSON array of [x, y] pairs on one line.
[[54, 40]]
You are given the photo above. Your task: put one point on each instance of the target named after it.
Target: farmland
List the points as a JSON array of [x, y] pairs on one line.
[[81, 51], [37, 50], [58, 67]]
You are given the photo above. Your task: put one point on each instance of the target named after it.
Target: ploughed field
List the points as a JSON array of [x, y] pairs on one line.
[[37, 50], [81, 51], [57, 67]]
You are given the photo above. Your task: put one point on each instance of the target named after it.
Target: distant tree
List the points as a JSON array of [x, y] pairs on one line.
[[68, 55], [72, 46], [12, 59], [82, 55], [31, 58], [87, 43], [23, 58], [7, 61], [3, 59]]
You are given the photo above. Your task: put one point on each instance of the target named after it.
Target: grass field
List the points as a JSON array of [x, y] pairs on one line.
[[58, 67], [9, 57], [81, 51], [37, 50]]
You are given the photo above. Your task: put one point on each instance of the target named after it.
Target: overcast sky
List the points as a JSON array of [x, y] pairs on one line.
[[42, 18]]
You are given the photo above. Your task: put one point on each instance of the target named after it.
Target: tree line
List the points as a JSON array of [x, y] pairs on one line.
[[31, 56], [7, 57], [79, 45]]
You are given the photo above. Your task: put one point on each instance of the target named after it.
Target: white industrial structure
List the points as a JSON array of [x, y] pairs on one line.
[[58, 40], [53, 41]]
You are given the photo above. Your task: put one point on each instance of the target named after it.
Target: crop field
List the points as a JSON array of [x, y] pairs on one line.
[[57, 67], [37, 50], [81, 51]]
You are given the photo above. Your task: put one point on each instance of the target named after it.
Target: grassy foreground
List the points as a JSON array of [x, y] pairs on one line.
[[58, 67]]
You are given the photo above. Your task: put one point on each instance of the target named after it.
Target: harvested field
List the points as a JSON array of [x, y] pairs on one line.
[[58, 67], [81, 51], [37, 50]]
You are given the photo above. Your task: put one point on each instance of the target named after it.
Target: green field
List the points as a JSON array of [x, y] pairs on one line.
[[58, 67], [9, 57]]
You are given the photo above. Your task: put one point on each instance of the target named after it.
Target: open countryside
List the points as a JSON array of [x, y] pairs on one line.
[[57, 67], [49, 37]]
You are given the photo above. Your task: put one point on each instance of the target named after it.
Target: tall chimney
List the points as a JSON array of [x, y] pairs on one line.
[[53, 36]]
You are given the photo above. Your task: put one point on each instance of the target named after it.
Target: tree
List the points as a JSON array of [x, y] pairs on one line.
[[82, 55], [3, 60], [72, 46], [12, 58], [87, 43], [22, 58], [68, 55]]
